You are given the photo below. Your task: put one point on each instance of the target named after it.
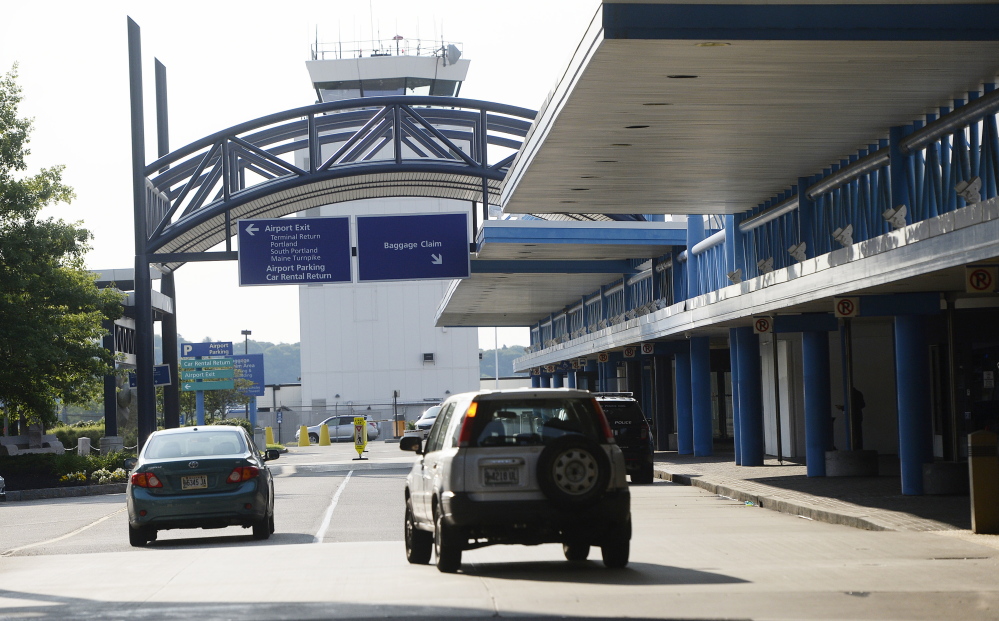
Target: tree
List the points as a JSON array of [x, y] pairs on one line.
[[51, 310]]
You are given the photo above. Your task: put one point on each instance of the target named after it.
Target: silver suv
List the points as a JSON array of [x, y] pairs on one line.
[[525, 466]]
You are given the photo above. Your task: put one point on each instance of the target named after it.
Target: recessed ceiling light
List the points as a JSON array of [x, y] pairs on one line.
[[681, 76], [636, 126], [712, 44], [580, 189], [568, 202], [606, 161], [620, 144], [657, 103], [589, 177]]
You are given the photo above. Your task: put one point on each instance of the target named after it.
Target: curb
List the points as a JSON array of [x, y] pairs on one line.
[[66, 492], [781, 505]]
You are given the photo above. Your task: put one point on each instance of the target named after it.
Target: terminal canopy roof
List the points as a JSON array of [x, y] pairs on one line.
[[715, 107]]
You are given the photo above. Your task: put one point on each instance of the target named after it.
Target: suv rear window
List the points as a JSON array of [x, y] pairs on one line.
[[533, 422]]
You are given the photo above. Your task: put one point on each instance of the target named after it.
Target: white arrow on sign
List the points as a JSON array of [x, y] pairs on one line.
[[188, 386], [251, 229], [436, 259]]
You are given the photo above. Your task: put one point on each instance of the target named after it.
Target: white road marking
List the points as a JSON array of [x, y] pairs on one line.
[[329, 512], [66, 536]]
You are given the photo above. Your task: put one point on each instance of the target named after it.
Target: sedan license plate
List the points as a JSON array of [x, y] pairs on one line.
[[501, 476], [197, 481]]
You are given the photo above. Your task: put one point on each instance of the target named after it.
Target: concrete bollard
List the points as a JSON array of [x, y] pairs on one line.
[[83, 446], [983, 473], [324, 435], [303, 436], [268, 435]]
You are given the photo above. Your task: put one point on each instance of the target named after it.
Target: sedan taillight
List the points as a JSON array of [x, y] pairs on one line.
[[146, 479], [242, 473]]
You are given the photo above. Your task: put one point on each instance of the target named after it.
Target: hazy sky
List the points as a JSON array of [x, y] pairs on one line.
[[231, 62]]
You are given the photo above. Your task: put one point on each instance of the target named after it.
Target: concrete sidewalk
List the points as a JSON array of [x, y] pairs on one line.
[[872, 503]]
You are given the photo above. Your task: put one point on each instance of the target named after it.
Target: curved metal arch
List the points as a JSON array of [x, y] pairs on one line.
[[442, 147]]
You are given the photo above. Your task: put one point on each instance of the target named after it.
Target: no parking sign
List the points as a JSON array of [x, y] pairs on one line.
[[763, 325]]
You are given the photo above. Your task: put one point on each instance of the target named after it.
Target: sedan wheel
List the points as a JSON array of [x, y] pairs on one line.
[[262, 528], [138, 537]]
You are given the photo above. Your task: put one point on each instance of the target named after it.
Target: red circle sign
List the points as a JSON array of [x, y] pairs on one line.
[[980, 280], [763, 324], [845, 307]]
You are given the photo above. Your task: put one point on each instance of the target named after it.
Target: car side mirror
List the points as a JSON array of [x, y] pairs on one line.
[[271, 454], [411, 443], [129, 463]]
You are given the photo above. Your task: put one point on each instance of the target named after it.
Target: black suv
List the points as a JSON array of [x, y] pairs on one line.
[[632, 433]]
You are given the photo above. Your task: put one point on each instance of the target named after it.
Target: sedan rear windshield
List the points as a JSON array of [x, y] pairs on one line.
[[199, 444], [530, 422]]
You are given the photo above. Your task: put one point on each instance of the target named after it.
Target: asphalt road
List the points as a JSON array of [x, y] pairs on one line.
[[338, 553]]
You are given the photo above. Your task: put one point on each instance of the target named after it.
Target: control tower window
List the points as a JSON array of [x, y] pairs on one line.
[[418, 86], [335, 91], [387, 86], [445, 88]]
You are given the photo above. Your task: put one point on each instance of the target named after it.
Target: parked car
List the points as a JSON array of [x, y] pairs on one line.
[[341, 429], [3, 491], [522, 466], [210, 476], [632, 432], [426, 420]]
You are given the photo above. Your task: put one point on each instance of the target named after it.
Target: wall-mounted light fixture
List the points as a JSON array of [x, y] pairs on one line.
[[844, 235], [735, 277], [895, 217], [765, 266], [798, 251], [970, 190]]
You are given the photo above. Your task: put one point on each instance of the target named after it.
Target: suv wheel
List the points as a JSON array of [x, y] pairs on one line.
[[617, 546], [576, 551], [419, 543], [447, 548], [645, 475], [314, 438], [573, 470]]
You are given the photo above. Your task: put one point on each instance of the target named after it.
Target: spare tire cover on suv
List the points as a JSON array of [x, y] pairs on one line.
[[573, 470]]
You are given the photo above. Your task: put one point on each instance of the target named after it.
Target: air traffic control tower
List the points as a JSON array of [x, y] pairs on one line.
[[364, 343]]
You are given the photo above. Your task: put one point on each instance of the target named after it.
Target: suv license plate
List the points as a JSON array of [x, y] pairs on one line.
[[199, 481], [501, 476]]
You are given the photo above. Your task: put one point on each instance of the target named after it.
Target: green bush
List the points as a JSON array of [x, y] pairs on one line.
[[69, 435], [237, 422], [50, 464]]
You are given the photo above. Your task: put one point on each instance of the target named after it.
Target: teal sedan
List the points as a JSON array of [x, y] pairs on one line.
[[200, 477]]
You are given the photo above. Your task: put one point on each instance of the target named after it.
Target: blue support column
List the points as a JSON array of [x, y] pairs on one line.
[[535, 381], [556, 380], [633, 377], [818, 402], [684, 413], [733, 356], [570, 379], [700, 395], [546, 380], [912, 382], [806, 216], [897, 166], [750, 398]]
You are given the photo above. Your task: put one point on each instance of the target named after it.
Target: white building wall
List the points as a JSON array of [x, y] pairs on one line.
[[363, 341]]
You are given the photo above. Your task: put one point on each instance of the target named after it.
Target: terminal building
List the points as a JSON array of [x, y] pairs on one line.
[[776, 224]]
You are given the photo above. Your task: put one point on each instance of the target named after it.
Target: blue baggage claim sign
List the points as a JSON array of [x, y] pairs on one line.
[[412, 247]]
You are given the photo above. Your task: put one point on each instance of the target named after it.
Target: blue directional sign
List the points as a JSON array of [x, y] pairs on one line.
[[294, 251], [196, 350], [161, 376], [412, 247], [252, 368]]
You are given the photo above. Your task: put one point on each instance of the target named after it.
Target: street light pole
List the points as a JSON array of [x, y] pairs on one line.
[[246, 341]]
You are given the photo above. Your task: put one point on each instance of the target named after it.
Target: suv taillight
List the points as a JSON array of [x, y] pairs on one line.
[[465, 435], [603, 421], [146, 479], [242, 473]]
